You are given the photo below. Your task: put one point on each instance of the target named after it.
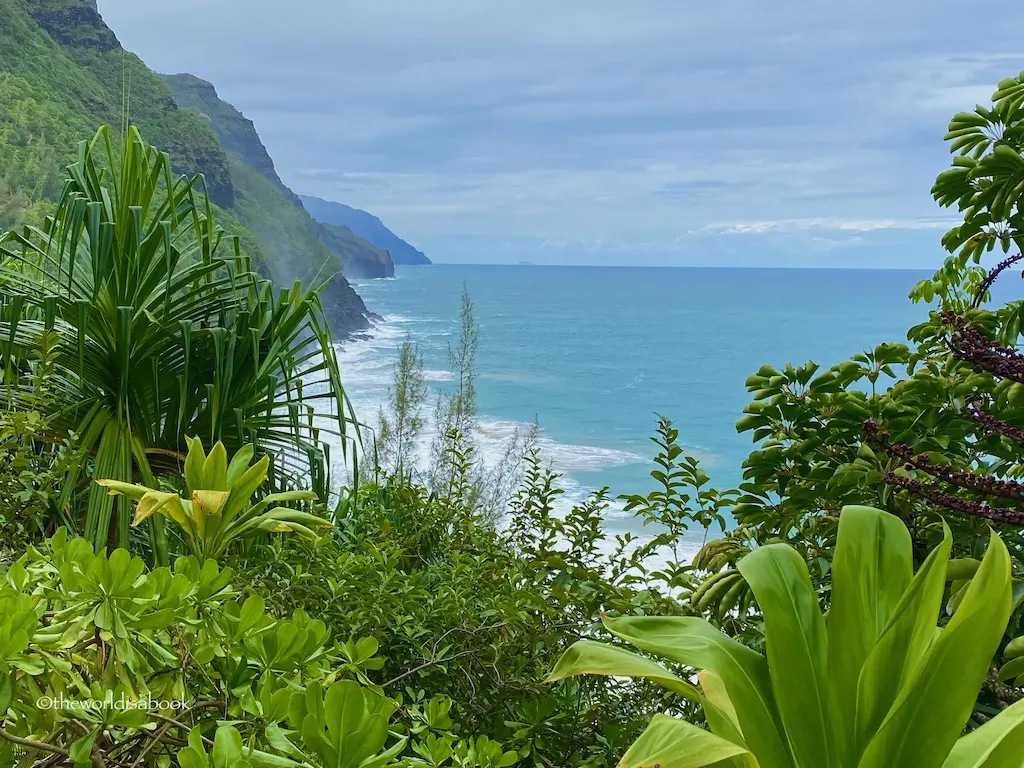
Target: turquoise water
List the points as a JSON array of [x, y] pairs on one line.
[[593, 353]]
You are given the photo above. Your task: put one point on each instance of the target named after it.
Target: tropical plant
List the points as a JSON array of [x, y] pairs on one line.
[[985, 183], [477, 615], [219, 508], [870, 685], [29, 479], [106, 662], [164, 331]]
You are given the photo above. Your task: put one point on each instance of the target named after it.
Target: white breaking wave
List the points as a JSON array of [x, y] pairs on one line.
[[367, 369], [431, 375]]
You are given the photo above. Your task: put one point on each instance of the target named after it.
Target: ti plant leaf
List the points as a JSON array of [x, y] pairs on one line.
[[868, 687]]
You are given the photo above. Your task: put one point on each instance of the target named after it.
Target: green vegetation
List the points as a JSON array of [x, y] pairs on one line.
[[863, 606], [868, 687], [217, 509], [155, 328]]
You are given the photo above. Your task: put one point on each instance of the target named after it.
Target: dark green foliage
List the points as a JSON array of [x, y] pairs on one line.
[[479, 616], [30, 479], [170, 663], [420, 629]]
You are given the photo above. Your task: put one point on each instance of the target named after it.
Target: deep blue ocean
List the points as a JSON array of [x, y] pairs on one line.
[[591, 354]]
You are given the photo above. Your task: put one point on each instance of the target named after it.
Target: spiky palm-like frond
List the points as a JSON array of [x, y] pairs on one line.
[[165, 330]]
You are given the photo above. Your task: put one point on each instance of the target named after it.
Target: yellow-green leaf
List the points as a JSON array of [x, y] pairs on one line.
[[672, 743], [587, 657], [871, 569], [999, 743], [744, 673], [797, 650], [933, 708]]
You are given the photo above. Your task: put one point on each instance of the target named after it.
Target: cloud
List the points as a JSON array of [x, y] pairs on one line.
[[617, 130], [837, 225]]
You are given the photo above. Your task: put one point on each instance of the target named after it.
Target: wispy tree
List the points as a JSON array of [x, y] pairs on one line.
[[401, 423]]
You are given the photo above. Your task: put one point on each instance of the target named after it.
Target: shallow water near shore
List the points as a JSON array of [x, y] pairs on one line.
[[591, 354]]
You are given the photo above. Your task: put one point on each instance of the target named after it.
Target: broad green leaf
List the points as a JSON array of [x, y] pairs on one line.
[[130, 490], [902, 645], [253, 609], [159, 501], [962, 569], [227, 747], [208, 503], [587, 657], [718, 709], [672, 743], [80, 750], [871, 569], [244, 485], [215, 470], [934, 706], [356, 723], [797, 650], [195, 460], [999, 743], [744, 673], [239, 463]]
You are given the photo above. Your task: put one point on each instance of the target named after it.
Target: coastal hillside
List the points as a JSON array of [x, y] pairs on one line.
[[63, 72], [265, 205], [366, 226]]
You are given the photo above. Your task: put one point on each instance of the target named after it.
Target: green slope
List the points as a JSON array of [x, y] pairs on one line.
[[367, 259], [63, 73], [260, 192]]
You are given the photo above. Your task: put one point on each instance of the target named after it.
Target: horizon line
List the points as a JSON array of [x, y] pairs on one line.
[[670, 266]]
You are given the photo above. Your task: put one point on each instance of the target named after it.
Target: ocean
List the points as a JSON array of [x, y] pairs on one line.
[[592, 354]]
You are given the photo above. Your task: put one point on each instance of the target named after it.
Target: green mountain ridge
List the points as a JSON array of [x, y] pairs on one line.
[[63, 73], [267, 207], [364, 225]]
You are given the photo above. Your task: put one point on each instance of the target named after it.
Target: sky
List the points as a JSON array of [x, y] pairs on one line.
[[660, 132]]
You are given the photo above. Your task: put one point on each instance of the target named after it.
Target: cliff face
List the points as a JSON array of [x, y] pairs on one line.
[[236, 132], [62, 72], [78, 29], [261, 191], [366, 226], [75, 24], [361, 259]]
